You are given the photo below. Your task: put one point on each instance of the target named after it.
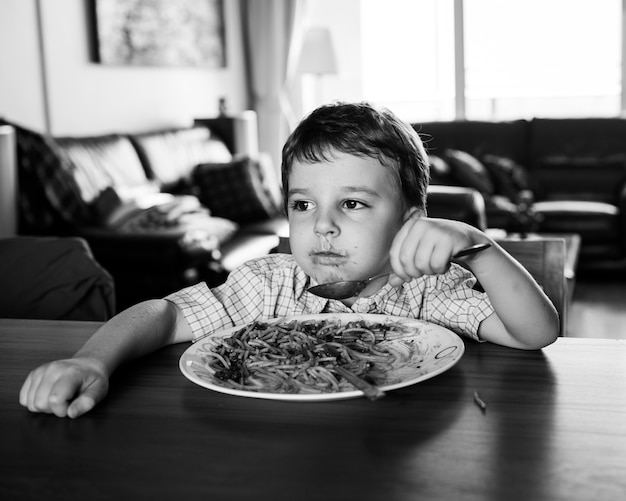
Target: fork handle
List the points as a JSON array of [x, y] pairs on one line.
[[471, 250]]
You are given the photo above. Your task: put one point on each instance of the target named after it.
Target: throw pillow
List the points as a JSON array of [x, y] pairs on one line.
[[50, 195], [509, 178], [236, 190], [469, 171], [440, 172]]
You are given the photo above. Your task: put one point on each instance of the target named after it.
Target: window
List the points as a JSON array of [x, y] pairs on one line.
[[522, 58], [407, 53], [528, 58]]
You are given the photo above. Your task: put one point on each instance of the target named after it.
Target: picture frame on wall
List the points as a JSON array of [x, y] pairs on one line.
[[179, 33]]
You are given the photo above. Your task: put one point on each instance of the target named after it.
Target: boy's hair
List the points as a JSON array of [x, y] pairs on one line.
[[362, 130]]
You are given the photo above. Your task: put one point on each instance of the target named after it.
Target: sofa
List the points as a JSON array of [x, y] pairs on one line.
[[541, 175], [160, 209]]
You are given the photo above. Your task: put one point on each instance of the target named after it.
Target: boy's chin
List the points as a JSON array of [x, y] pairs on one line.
[[326, 277]]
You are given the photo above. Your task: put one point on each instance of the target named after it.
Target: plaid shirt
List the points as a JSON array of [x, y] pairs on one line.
[[275, 286]]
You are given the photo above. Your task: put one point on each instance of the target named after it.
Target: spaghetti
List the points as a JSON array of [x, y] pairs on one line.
[[307, 356]]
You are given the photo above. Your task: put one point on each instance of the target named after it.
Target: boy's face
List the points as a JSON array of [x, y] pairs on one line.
[[343, 216]]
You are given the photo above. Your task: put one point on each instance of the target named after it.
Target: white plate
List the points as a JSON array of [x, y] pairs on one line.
[[432, 350]]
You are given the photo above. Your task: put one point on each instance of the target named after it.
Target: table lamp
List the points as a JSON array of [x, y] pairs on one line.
[[317, 58]]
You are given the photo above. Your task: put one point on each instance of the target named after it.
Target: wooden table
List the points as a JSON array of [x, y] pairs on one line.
[[554, 428]]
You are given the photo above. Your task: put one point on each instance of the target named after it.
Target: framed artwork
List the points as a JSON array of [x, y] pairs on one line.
[[160, 32]]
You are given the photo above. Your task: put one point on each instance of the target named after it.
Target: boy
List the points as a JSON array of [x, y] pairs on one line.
[[355, 181]]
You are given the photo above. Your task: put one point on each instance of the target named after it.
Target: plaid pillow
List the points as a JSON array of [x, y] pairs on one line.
[[509, 178], [238, 190], [469, 171], [49, 196]]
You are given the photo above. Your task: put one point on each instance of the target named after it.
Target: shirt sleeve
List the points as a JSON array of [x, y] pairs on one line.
[[258, 290], [237, 301], [451, 300]]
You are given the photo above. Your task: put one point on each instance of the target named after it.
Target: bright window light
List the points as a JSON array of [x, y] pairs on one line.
[[523, 58]]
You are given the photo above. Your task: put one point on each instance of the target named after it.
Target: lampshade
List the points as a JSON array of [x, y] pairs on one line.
[[318, 53]]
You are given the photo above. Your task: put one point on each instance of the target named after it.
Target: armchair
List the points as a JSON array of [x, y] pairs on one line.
[[53, 278]]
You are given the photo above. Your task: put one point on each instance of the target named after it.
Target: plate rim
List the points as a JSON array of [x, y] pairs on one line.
[[321, 397]]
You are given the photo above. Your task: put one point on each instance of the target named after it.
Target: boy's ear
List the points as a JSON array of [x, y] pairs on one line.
[[413, 212]]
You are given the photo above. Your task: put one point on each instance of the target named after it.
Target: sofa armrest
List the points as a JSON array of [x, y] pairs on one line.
[[155, 264], [621, 207], [147, 249], [621, 201], [458, 203]]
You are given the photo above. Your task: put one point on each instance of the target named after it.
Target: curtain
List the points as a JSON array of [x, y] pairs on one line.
[[274, 31]]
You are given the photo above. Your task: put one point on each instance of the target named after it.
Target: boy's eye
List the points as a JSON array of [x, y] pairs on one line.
[[353, 204], [300, 205]]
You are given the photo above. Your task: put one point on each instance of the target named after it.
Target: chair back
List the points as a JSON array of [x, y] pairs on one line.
[[544, 258], [53, 278]]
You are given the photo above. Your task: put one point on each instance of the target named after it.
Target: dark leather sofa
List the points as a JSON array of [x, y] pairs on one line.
[[545, 175], [160, 210], [164, 209]]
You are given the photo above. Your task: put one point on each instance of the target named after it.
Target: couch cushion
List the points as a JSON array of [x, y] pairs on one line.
[[275, 226], [237, 190], [560, 177], [575, 138], [170, 156], [509, 177], [469, 171], [508, 139], [440, 170], [245, 246], [596, 222], [459, 203], [102, 162]]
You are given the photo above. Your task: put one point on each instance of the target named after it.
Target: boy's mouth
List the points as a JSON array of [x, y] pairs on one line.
[[331, 257]]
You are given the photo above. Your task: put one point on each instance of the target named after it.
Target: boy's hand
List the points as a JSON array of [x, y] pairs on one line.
[[65, 387], [424, 246]]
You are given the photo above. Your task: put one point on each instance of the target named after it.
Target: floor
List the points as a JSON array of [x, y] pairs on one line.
[[598, 309]]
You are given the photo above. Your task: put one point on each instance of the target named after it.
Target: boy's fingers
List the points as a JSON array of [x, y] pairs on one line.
[[396, 250], [84, 403], [65, 399], [90, 395], [62, 389], [395, 280], [37, 395], [24, 391], [61, 394]]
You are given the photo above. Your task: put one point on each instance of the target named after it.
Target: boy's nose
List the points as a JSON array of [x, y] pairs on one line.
[[325, 224]]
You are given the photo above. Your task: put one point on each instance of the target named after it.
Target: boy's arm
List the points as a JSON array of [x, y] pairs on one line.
[[525, 317], [72, 387]]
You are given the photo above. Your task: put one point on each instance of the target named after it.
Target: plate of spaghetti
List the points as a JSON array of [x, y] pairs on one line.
[[321, 357]]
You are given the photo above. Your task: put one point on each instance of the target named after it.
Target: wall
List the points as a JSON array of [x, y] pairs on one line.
[[20, 78], [88, 98]]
